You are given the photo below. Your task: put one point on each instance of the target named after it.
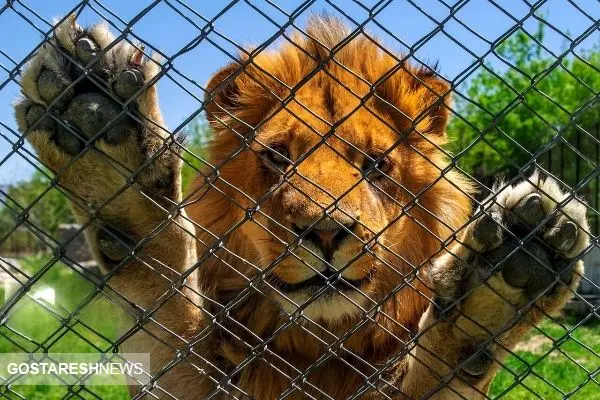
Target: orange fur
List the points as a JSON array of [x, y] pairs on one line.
[[405, 101]]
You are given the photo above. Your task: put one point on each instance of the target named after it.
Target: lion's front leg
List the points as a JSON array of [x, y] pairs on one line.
[[90, 111], [515, 264]]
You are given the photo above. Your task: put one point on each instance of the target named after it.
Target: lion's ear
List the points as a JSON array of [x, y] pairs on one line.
[[222, 93], [435, 102], [240, 96], [416, 99]]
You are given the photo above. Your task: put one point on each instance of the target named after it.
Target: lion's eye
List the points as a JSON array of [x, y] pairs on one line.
[[278, 157], [375, 166]]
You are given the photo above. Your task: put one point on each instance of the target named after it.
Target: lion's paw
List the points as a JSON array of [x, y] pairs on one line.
[[532, 233], [516, 262], [90, 111]]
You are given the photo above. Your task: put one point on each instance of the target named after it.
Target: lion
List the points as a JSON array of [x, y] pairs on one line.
[[328, 248]]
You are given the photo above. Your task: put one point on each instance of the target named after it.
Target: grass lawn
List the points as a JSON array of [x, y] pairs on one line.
[[553, 363], [539, 369], [61, 328]]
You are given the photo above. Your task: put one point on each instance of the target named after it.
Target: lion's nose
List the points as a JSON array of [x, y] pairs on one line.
[[327, 240]]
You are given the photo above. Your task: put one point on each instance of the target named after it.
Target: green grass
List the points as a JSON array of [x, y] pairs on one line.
[[553, 371], [536, 368], [61, 328]]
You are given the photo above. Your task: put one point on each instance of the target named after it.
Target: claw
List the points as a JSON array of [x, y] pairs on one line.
[[137, 59], [72, 19], [478, 364], [113, 244]]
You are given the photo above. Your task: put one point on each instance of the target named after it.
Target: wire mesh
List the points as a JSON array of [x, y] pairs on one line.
[[335, 238]]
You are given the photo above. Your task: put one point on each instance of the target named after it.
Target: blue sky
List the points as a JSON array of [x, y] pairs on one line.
[[165, 29]]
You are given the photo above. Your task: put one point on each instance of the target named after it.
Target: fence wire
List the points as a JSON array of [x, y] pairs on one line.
[[323, 264]]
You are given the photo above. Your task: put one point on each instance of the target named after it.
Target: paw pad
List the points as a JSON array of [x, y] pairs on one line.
[[114, 245], [37, 115], [563, 235], [530, 209], [86, 49], [92, 112], [51, 86], [74, 88], [128, 83], [528, 267], [532, 257], [488, 230]]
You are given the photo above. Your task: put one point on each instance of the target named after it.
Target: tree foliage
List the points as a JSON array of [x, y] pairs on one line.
[[36, 202], [531, 100], [197, 135]]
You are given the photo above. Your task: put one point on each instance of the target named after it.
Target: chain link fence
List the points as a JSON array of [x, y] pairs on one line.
[[353, 223]]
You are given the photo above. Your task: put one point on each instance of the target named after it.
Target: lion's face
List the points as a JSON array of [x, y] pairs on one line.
[[332, 202], [333, 192]]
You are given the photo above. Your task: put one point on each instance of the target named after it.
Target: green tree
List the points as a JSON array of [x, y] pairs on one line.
[[37, 202], [514, 110], [197, 135]]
